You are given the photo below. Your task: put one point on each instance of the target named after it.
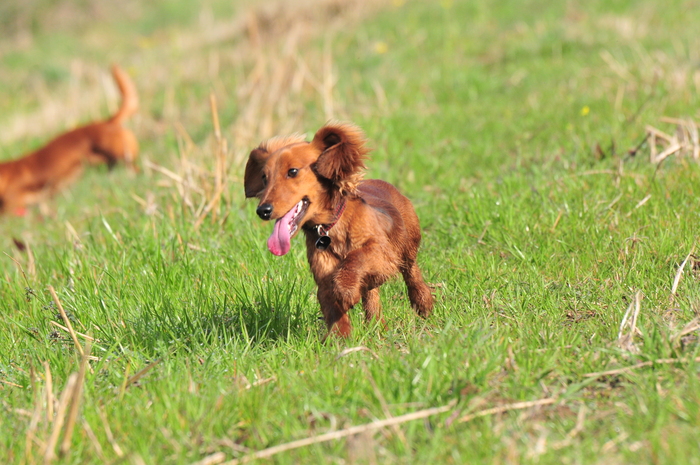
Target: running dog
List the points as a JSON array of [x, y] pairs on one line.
[[359, 233], [42, 173]]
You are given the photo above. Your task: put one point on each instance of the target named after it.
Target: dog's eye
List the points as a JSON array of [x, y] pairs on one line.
[[264, 179], [292, 173]]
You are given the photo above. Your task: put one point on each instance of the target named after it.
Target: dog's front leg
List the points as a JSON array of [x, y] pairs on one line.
[[358, 277], [324, 267], [372, 305], [336, 319], [341, 290]]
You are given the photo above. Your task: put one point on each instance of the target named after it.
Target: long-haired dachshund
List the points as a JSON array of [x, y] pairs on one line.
[[359, 233], [28, 180]]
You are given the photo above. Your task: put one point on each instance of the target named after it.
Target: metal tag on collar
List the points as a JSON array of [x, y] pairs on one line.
[[323, 240]]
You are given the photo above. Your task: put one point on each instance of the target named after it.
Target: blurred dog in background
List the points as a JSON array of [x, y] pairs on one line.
[[42, 173]]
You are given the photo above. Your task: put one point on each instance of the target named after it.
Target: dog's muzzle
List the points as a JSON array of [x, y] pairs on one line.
[[264, 211]]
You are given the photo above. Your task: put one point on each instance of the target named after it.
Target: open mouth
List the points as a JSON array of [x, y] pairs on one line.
[[279, 241]]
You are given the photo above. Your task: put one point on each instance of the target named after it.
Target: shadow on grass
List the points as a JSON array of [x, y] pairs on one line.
[[264, 316]]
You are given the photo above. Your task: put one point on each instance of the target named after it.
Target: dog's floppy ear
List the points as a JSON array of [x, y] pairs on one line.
[[343, 151], [253, 180]]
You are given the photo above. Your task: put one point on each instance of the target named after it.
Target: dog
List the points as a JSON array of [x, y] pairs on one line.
[[359, 233], [42, 173]]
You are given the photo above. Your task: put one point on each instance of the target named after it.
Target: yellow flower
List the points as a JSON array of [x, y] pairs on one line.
[[381, 47], [145, 42], [585, 110]]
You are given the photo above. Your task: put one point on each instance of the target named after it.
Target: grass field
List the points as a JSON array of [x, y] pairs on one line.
[[563, 260]]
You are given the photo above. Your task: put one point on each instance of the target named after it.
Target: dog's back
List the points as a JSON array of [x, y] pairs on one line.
[[405, 227]]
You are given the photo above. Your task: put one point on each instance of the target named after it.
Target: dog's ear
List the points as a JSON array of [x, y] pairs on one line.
[[253, 180], [343, 151]]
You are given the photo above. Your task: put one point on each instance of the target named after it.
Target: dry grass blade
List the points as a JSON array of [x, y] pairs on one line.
[[220, 168], [19, 267], [658, 134], [78, 347], [137, 376], [78, 333], [333, 435], [507, 408], [73, 233], [261, 382], [660, 361], [685, 140], [611, 444], [215, 116], [617, 67], [10, 383], [122, 388], [210, 206], [580, 419], [212, 459], [679, 273], [695, 138], [385, 407], [49, 452], [178, 179], [76, 397], [351, 350], [49, 393], [31, 262], [628, 326], [691, 327], [329, 81], [678, 121], [673, 148], [556, 221], [93, 440], [639, 204], [108, 433], [30, 437]]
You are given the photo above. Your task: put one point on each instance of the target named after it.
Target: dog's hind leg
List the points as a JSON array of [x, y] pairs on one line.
[[418, 292]]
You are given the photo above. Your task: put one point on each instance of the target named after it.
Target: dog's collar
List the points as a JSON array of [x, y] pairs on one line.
[[322, 230]]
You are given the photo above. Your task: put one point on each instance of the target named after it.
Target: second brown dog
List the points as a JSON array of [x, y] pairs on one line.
[[32, 178], [358, 233]]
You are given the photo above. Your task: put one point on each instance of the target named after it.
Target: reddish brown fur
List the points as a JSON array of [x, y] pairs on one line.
[[29, 179], [376, 237]]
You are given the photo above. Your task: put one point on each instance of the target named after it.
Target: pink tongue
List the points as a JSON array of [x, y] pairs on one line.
[[278, 243]]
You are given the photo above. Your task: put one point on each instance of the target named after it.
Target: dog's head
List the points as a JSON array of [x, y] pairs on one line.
[[113, 143], [298, 182]]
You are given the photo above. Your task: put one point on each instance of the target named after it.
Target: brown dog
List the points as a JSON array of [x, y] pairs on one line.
[[358, 233], [30, 179]]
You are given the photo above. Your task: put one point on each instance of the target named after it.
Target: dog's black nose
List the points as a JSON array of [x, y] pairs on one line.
[[264, 211]]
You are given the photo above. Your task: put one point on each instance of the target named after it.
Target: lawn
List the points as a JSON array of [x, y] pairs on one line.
[[562, 256]]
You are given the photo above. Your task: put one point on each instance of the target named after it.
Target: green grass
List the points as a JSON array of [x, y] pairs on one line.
[[488, 116]]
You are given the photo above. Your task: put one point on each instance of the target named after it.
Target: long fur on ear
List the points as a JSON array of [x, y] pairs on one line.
[[252, 180], [343, 151]]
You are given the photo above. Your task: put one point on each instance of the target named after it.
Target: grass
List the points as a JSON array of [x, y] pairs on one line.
[[508, 125]]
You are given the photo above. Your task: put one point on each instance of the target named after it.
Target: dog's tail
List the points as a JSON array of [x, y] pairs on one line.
[[130, 99]]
